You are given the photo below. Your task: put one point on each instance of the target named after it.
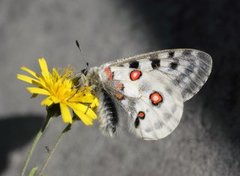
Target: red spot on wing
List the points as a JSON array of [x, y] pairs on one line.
[[119, 96], [156, 98], [119, 86], [141, 115], [109, 73], [135, 75]]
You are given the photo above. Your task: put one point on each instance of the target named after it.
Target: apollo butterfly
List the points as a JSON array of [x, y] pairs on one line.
[[150, 87]]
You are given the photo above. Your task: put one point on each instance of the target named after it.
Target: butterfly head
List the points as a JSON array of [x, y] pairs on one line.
[[86, 69]]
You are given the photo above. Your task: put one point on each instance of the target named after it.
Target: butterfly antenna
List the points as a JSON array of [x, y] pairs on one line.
[[78, 45], [85, 70]]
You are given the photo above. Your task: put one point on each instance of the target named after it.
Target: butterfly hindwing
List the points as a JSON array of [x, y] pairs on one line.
[[154, 109], [154, 106]]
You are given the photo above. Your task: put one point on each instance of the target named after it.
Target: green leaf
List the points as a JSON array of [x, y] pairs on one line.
[[33, 171]]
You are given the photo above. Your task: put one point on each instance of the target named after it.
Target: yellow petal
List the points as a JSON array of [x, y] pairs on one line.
[[91, 113], [29, 71], [42, 82], [26, 79], [95, 103], [43, 65], [86, 110], [84, 118], [36, 90], [66, 114], [47, 102], [55, 73], [79, 112], [55, 100], [87, 98], [86, 89]]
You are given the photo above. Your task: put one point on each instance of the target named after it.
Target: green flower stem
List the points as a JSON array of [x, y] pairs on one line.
[[35, 142], [66, 129]]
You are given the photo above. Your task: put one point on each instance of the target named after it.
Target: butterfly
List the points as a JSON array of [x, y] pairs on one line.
[[150, 87]]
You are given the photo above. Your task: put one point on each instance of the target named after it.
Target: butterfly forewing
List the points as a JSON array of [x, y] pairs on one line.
[[187, 68]]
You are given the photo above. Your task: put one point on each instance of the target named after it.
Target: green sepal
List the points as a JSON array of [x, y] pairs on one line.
[[53, 110]]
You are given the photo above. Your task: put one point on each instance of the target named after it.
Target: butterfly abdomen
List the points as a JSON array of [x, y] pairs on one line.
[[107, 113]]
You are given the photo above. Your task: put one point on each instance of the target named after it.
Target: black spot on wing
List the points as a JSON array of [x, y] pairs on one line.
[[173, 65], [155, 63], [171, 54], [134, 64], [137, 122]]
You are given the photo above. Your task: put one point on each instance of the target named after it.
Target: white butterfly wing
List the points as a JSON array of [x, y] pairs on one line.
[[152, 87], [188, 69], [161, 116]]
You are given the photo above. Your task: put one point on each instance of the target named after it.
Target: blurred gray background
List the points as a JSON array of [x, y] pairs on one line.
[[207, 140]]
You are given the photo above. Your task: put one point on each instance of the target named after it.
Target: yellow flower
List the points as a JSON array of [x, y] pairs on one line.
[[59, 89]]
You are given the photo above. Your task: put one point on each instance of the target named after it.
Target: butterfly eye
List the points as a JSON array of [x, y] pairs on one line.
[[85, 70]]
